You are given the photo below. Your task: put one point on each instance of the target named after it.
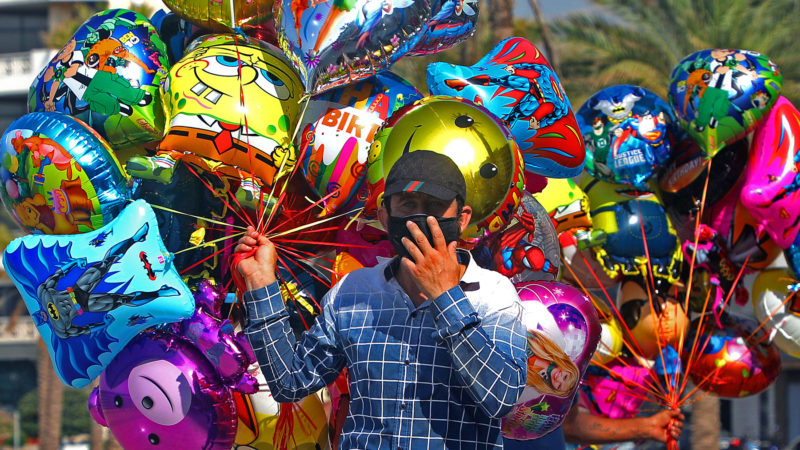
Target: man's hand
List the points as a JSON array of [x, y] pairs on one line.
[[258, 269], [434, 269], [667, 423]]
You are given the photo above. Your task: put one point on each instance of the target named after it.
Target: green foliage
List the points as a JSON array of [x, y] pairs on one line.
[[75, 417], [641, 41], [66, 27]]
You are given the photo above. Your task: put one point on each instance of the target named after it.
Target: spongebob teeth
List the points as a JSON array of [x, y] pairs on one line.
[[199, 88], [214, 96]]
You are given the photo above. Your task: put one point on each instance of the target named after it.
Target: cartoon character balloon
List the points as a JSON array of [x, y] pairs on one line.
[[338, 129], [59, 176], [776, 303], [108, 75], [336, 42], [453, 21], [480, 145], [90, 294], [516, 83], [563, 331], [735, 360], [772, 181], [222, 15], [629, 132], [721, 94]]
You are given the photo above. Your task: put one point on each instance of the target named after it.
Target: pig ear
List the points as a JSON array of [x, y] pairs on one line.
[[94, 407]]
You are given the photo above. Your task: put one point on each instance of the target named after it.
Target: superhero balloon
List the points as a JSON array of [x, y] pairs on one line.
[[734, 361], [480, 145], [453, 21], [232, 108], [720, 94], [777, 305], [771, 185], [59, 176], [222, 15], [90, 294], [516, 83], [629, 132], [338, 129], [563, 331], [108, 75], [336, 42]]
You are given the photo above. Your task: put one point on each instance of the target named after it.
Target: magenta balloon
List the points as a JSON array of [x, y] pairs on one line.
[[563, 331], [772, 179]]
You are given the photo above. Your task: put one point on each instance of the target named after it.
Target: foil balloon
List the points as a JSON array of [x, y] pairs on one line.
[[777, 305], [176, 33], [566, 204], [771, 185], [792, 256], [364, 243], [107, 75], [470, 135], [90, 294], [59, 176], [452, 22], [162, 392], [733, 361], [721, 94], [516, 83], [683, 182], [617, 390], [629, 133], [563, 331], [264, 423], [232, 108], [335, 42], [611, 338], [339, 128], [639, 237], [222, 15], [527, 249]]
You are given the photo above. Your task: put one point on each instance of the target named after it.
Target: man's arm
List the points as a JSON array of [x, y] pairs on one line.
[[584, 428]]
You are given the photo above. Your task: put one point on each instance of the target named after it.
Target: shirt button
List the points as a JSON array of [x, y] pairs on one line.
[[413, 314], [407, 362], [402, 407]]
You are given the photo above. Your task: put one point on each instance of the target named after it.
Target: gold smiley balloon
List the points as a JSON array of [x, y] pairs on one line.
[[222, 15], [472, 137], [234, 101]]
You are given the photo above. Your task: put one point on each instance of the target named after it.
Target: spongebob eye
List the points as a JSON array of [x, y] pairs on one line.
[[488, 170], [272, 85], [223, 66]]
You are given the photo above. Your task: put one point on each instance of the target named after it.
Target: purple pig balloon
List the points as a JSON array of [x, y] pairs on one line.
[[563, 331]]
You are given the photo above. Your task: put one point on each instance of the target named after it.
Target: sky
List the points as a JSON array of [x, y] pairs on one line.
[[550, 8]]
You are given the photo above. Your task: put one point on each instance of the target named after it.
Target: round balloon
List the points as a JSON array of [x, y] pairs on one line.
[[777, 305], [176, 33], [107, 75], [452, 22], [470, 135], [338, 128], [720, 94], [517, 84], [566, 204], [222, 15], [563, 331], [232, 105], [59, 176], [610, 345], [336, 42], [772, 180], [629, 133], [733, 361]]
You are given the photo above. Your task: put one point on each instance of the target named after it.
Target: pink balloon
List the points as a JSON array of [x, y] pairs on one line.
[[772, 179]]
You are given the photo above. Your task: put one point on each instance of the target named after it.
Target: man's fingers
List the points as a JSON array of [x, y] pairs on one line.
[[419, 238], [436, 233], [413, 250]]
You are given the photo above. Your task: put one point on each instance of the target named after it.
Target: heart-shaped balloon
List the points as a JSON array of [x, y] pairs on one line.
[[721, 94], [222, 15], [772, 180], [629, 133], [108, 75], [335, 42], [453, 21], [516, 83]]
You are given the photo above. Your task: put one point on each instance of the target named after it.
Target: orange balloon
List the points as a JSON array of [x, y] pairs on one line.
[[344, 264], [651, 328]]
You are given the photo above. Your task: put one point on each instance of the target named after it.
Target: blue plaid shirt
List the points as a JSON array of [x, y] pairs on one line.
[[440, 375]]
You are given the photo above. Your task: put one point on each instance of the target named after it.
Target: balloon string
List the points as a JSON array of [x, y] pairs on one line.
[[771, 315], [184, 271], [209, 243], [244, 218], [217, 222], [693, 351]]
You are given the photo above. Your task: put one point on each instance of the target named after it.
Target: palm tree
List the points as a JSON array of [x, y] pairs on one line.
[[641, 41], [51, 401]]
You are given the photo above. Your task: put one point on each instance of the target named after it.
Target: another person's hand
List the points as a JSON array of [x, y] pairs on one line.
[[434, 268], [667, 423], [258, 269]]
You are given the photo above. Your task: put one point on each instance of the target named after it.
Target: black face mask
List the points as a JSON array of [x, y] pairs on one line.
[[398, 229]]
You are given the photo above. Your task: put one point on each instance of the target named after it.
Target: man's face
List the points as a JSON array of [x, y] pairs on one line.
[[409, 203]]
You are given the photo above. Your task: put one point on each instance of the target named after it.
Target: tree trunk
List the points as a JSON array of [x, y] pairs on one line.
[[51, 401], [705, 422], [545, 32], [502, 19], [95, 435]]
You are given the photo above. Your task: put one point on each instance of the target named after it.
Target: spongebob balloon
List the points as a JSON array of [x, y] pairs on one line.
[[472, 137], [232, 105]]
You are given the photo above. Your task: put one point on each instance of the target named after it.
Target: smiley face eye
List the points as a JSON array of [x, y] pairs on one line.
[[153, 438], [272, 84], [488, 170], [464, 121]]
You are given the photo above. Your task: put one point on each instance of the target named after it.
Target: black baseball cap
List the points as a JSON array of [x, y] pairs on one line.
[[427, 172]]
